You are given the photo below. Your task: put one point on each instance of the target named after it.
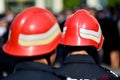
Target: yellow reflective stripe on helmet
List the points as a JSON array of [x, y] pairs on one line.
[[39, 39]]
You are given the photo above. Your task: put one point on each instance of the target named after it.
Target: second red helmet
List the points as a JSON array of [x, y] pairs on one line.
[[82, 29]]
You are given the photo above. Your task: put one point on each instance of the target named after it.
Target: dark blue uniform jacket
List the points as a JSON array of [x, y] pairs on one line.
[[32, 71], [83, 67]]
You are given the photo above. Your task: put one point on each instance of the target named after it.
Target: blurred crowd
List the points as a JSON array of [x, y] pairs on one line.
[[109, 19]]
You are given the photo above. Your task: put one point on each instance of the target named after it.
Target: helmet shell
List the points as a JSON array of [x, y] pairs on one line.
[[34, 31], [82, 29]]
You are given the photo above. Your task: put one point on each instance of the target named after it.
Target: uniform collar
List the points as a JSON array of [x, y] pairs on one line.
[[79, 58], [32, 66]]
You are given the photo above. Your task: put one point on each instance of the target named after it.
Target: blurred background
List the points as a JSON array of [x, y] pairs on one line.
[[107, 12], [55, 5]]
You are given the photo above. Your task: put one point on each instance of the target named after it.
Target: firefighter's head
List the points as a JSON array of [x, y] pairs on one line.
[[33, 32], [82, 29]]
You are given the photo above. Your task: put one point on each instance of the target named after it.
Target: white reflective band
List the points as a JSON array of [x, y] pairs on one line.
[[69, 78], [39, 39], [89, 34], [39, 36]]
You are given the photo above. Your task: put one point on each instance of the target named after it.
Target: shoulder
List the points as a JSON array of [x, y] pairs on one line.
[[112, 75]]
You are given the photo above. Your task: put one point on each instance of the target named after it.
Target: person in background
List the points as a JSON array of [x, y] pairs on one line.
[[82, 36], [7, 62], [3, 29], [108, 19], [34, 35]]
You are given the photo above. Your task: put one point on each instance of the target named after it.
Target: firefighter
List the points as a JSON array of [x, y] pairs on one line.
[[34, 35], [81, 37]]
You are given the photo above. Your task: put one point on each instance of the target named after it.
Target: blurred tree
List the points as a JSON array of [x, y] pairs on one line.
[[113, 2], [71, 3]]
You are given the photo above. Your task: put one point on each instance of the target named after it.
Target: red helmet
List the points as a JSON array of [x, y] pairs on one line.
[[82, 29], [34, 31]]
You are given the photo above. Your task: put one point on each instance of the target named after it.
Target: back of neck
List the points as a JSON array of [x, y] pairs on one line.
[[79, 52]]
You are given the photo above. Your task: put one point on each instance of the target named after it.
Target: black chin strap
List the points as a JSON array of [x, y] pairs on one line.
[[47, 57]]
